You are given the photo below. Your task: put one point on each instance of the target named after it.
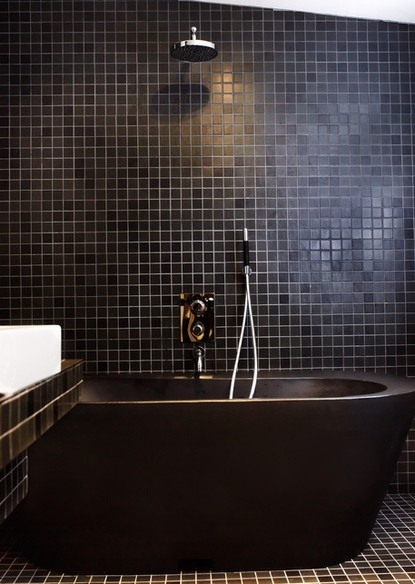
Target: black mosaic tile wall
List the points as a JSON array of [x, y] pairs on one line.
[[127, 177]]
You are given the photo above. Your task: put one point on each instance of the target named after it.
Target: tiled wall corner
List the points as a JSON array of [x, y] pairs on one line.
[[404, 478]]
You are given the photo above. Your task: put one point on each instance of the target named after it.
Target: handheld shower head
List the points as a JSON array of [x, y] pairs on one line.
[[193, 50], [246, 248]]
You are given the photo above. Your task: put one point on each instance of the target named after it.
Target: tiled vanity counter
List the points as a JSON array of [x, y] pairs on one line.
[[24, 417], [27, 414]]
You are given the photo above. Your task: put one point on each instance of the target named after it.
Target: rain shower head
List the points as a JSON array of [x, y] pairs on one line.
[[193, 50]]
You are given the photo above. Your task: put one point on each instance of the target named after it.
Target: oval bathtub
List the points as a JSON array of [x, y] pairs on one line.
[[164, 474]]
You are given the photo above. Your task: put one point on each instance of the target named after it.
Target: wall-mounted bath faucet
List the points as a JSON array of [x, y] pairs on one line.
[[197, 324], [197, 318], [199, 358]]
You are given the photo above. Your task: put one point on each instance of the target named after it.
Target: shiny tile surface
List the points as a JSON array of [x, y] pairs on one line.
[[389, 558]]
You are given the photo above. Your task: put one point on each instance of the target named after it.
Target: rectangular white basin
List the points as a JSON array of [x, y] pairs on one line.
[[28, 354]]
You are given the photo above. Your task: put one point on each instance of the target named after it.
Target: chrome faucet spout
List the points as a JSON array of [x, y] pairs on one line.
[[198, 356]]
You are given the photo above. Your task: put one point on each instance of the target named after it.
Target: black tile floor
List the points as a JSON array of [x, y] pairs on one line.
[[389, 558]]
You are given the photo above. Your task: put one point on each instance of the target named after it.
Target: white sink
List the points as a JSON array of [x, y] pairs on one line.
[[28, 354]]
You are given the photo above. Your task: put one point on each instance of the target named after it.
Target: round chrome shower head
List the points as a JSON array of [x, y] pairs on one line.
[[193, 50]]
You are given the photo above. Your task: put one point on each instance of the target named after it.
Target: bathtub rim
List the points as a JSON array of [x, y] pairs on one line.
[[393, 385]]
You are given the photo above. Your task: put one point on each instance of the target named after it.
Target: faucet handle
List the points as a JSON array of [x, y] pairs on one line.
[[198, 306], [198, 328]]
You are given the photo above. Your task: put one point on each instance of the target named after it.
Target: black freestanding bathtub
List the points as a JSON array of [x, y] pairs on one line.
[[165, 474]]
